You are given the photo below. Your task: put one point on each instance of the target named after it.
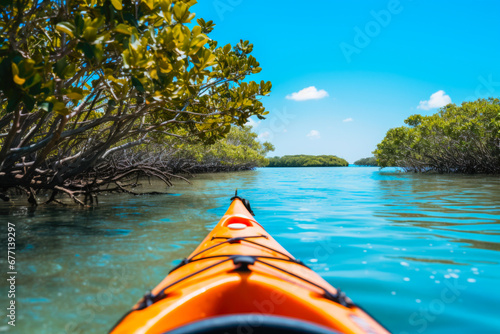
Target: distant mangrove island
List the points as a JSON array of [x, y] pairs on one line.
[[370, 161], [307, 161]]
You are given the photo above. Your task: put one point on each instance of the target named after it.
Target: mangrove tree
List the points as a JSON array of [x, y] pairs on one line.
[[457, 139], [83, 80]]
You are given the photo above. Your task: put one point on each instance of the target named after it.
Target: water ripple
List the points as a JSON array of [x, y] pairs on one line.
[[396, 243]]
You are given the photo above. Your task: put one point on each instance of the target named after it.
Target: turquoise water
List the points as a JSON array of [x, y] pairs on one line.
[[419, 252]]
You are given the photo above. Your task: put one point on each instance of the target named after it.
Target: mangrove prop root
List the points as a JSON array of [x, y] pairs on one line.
[[118, 173]]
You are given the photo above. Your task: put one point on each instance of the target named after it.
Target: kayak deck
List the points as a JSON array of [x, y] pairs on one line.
[[240, 269]]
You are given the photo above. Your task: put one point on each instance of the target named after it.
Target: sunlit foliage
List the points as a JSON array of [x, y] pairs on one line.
[[462, 139]]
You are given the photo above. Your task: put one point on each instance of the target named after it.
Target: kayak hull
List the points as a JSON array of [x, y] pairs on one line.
[[240, 269]]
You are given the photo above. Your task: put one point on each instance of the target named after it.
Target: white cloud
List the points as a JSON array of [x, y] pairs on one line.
[[252, 123], [438, 99], [348, 120], [264, 135], [309, 93], [313, 134]]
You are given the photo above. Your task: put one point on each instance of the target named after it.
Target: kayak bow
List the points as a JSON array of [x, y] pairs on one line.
[[240, 280]]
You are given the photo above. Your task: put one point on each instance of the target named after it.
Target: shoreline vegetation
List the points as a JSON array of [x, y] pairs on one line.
[[303, 160], [239, 150], [458, 139]]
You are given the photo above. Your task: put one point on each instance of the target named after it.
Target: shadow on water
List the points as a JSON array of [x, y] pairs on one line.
[[49, 226]]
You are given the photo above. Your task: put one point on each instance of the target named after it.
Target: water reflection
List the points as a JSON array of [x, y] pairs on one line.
[[454, 205]]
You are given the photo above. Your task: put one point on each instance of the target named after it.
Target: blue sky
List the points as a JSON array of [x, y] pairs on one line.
[[365, 65]]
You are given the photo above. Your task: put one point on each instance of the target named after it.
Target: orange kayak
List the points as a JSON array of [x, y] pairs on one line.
[[240, 280]]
